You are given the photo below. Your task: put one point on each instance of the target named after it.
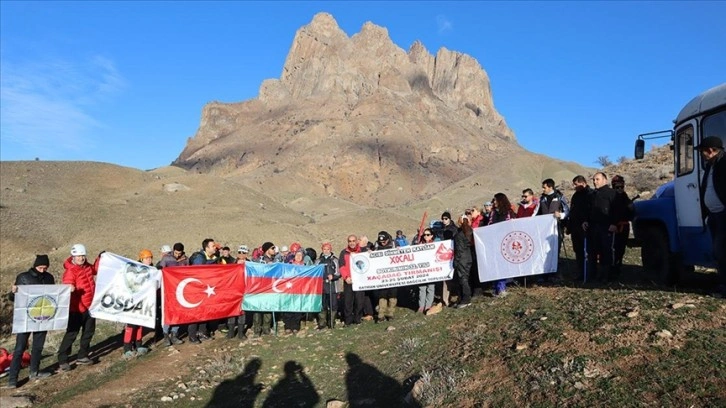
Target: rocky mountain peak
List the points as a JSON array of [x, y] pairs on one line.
[[391, 125]]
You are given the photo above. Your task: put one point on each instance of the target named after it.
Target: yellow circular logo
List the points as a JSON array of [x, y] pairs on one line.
[[42, 308]]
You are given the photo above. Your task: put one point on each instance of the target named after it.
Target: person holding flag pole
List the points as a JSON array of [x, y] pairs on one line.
[[37, 275], [331, 275]]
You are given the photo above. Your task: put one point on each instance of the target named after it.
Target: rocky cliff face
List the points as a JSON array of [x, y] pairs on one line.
[[357, 118]]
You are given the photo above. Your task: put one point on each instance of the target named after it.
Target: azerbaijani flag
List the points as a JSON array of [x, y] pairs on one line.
[[280, 287]]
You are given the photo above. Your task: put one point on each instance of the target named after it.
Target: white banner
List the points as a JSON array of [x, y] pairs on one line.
[[41, 308], [518, 247], [125, 291], [409, 265]]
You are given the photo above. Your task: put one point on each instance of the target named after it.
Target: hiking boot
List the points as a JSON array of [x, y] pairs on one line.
[[203, 337], [434, 309], [140, 351], [64, 366], [128, 355], [195, 340], [38, 375], [463, 305], [11, 384], [367, 318], [175, 340], [84, 361], [167, 339]]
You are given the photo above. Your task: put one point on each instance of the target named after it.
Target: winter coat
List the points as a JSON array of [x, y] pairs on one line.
[[462, 252], [579, 209], [331, 268], [83, 278], [344, 261], [601, 203], [33, 277]]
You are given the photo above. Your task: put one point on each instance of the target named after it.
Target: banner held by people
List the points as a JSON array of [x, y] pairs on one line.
[[283, 288], [410, 265], [125, 291], [202, 292], [41, 308], [517, 248]]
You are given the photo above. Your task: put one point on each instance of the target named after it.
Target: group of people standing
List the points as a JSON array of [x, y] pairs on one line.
[[596, 218]]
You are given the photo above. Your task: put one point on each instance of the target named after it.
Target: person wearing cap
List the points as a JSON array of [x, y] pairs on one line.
[[449, 224], [225, 257], [176, 257], [239, 320], [285, 254], [387, 297], [81, 276], [36, 275], [242, 253], [713, 201], [262, 321], [623, 212], [401, 240], [331, 277], [133, 334]]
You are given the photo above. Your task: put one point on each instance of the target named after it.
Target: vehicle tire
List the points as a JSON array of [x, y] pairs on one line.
[[660, 264]]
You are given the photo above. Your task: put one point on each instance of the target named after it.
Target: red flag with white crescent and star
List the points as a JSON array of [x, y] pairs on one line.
[[202, 292]]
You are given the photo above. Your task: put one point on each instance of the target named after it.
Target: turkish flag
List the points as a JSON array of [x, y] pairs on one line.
[[202, 292]]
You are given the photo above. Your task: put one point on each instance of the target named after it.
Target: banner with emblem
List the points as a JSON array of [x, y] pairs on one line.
[[281, 287], [125, 291], [517, 248], [41, 308], [409, 265]]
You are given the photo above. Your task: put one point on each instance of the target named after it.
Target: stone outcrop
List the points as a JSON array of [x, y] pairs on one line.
[[359, 118]]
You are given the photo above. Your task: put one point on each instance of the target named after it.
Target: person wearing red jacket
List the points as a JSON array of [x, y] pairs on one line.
[[352, 301], [81, 276]]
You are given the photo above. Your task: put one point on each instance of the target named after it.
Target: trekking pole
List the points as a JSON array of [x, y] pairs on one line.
[[330, 295], [584, 270], [274, 323]]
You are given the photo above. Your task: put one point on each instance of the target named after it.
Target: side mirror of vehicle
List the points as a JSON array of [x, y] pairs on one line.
[[639, 149]]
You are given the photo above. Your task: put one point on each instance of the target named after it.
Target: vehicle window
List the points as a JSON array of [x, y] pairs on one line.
[[715, 125], [684, 144]]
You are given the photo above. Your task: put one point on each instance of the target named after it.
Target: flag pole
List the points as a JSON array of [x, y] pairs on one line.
[[421, 227], [274, 323]]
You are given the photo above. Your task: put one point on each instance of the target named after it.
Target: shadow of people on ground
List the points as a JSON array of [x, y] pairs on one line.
[[241, 392], [295, 389], [368, 387]]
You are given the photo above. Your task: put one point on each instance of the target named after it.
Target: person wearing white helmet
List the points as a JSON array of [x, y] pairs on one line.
[[81, 276]]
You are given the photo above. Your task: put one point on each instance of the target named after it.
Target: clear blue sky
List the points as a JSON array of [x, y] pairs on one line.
[[125, 82]]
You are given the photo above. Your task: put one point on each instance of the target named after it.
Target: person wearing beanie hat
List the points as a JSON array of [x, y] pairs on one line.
[[262, 321], [388, 297], [448, 224], [332, 285], [133, 334], [37, 275]]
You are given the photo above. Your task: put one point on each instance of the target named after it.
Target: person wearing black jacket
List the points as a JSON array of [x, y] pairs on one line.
[[623, 214], [713, 200], [463, 241], [37, 275], [579, 212], [387, 297], [600, 227]]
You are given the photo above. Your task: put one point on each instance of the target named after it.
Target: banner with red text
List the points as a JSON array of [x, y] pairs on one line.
[[410, 265]]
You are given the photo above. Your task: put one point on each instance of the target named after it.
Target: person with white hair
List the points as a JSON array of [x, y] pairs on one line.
[[81, 276]]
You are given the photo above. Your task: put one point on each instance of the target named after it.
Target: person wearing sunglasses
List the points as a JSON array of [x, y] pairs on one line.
[[426, 291]]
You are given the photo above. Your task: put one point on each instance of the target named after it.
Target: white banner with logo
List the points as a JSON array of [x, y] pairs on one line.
[[409, 265], [41, 308], [125, 291], [516, 248]]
